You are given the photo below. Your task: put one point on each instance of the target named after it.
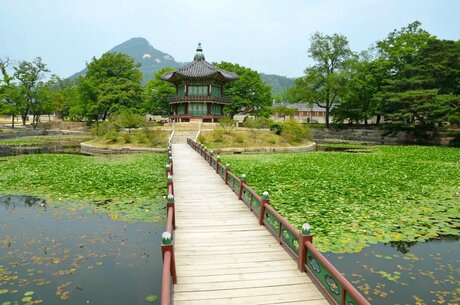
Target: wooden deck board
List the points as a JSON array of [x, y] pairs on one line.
[[223, 256]]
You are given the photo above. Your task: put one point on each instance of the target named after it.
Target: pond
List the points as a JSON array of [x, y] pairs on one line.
[[64, 254], [405, 273]]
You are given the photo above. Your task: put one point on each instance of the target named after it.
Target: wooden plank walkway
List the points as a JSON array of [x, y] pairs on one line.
[[223, 256]]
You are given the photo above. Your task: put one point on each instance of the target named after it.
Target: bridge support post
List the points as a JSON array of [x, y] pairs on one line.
[[304, 236], [265, 200]]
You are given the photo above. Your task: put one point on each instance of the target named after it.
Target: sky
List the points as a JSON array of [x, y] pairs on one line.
[[270, 36]]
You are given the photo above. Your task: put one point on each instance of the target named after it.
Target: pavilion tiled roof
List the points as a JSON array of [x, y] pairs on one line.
[[199, 68]]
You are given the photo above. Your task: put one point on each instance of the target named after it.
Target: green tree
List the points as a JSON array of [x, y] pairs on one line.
[[419, 69], [284, 111], [248, 92], [357, 103], [156, 93], [29, 76], [113, 82], [64, 96], [9, 92], [325, 82]]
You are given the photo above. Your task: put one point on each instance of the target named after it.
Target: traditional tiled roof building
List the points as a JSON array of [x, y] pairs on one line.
[[199, 90]]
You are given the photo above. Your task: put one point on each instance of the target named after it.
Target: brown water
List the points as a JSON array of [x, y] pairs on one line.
[[405, 273], [62, 254]]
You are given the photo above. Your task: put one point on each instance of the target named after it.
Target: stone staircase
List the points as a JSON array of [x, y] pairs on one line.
[[181, 136]]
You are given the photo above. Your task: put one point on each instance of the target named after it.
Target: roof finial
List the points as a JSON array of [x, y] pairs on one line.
[[199, 53]]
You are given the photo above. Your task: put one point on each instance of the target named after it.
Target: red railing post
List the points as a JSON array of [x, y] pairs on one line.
[[166, 278], [167, 246], [304, 236], [242, 183], [170, 184], [168, 170], [169, 204], [265, 200], [171, 165], [227, 169]]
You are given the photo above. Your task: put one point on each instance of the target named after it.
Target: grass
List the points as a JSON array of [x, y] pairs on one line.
[[129, 187], [148, 138], [244, 138], [34, 140], [395, 193]]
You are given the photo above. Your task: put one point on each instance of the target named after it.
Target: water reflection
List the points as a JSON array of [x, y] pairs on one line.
[[55, 254], [405, 272]]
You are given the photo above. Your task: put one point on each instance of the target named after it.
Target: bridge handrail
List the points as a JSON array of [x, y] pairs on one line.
[[167, 239], [298, 244], [342, 292]]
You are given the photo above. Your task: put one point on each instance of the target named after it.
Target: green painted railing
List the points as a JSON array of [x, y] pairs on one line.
[[299, 244]]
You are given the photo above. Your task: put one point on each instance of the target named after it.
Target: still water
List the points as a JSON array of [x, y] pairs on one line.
[[64, 254], [405, 273]]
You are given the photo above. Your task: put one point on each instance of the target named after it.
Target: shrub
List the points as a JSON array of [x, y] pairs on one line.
[[272, 140], [44, 126], [239, 139], [295, 132], [257, 123], [128, 119], [126, 137], [112, 136], [276, 128], [218, 134], [227, 125], [201, 139], [140, 137], [155, 136], [101, 128]]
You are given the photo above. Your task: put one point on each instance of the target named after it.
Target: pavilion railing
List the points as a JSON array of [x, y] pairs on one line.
[[198, 98], [167, 238], [298, 244]]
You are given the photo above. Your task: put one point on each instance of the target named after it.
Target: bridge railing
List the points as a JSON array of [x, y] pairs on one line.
[[298, 244], [167, 238]]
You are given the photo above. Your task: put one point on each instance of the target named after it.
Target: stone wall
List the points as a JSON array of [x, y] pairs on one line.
[[370, 135]]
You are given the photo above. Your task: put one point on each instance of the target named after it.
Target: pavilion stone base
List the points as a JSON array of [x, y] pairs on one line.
[[196, 120]]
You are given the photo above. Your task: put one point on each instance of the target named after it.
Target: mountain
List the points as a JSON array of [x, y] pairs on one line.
[[277, 82], [151, 59]]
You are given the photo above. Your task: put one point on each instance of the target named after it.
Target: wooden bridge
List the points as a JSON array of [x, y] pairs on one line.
[[219, 253]]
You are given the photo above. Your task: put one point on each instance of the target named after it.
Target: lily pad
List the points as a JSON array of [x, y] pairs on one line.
[[6, 303], [4, 291], [29, 293], [151, 298], [349, 207], [26, 299]]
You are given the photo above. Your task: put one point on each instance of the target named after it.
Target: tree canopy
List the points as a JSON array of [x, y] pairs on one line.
[[411, 79], [156, 93], [113, 82], [248, 93], [324, 83]]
